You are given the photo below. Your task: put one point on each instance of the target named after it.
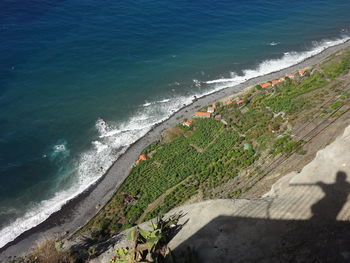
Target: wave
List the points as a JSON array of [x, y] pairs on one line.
[[273, 43], [273, 65], [114, 138], [59, 152], [146, 104]]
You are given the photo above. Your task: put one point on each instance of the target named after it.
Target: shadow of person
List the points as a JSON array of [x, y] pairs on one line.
[[322, 235], [336, 195], [238, 238]]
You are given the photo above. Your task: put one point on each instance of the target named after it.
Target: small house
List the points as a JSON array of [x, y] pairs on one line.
[[291, 75], [275, 82], [247, 146], [240, 102], [211, 109], [281, 79], [228, 102], [142, 157], [201, 114], [301, 72], [265, 85], [187, 123]]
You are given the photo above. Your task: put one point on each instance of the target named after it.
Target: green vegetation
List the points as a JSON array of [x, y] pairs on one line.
[[195, 161], [285, 144], [289, 98], [208, 155], [337, 66], [258, 87], [337, 105], [148, 246]]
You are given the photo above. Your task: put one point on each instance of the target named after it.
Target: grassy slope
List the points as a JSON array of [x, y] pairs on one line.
[[198, 160]]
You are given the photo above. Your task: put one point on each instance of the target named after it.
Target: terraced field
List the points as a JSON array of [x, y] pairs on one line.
[[224, 159]]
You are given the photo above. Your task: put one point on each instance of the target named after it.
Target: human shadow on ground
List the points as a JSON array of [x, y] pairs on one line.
[[243, 239]]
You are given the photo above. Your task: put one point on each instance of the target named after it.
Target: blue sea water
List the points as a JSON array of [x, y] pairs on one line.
[[82, 80]]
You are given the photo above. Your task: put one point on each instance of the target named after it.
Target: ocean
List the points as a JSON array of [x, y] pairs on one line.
[[82, 80]]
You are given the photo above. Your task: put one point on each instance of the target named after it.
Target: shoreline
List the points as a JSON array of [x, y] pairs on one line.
[[79, 210]]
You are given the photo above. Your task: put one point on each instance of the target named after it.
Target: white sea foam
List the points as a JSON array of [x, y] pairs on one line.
[[146, 104], [99, 146], [114, 138], [59, 152], [196, 82], [60, 147], [273, 43], [269, 66], [101, 126]]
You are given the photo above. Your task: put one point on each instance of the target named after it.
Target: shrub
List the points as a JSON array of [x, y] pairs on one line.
[[148, 246], [258, 87], [337, 105]]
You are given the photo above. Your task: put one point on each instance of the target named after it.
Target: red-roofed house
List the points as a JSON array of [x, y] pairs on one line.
[[265, 85], [142, 157], [275, 82], [301, 72], [240, 102], [228, 102], [282, 79], [291, 75], [202, 114], [187, 123]]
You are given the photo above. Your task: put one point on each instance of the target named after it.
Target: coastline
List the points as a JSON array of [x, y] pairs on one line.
[[81, 209]]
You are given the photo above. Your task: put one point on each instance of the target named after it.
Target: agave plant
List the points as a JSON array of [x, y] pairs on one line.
[[147, 246]]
